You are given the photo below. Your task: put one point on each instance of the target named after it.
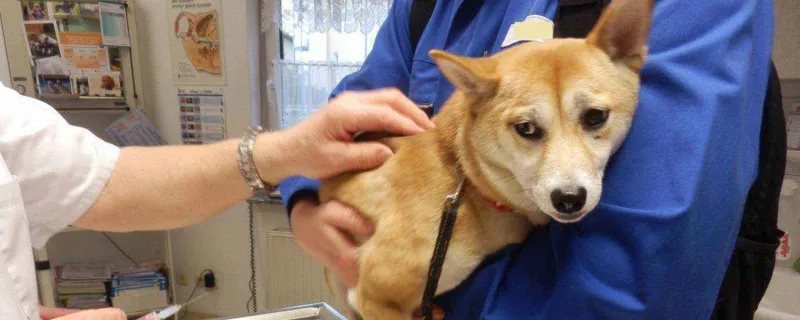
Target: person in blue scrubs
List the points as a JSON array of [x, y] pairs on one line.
[[658, 244]]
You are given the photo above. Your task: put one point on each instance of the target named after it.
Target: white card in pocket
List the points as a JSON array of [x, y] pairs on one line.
[[533, 28]]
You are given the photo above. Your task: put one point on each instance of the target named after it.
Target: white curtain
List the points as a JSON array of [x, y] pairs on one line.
[[303, 87], [311, 16]]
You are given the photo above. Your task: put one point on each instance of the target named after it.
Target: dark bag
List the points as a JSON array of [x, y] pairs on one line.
[[753, 260]]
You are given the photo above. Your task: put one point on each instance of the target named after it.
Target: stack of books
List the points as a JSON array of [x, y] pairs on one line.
[[139, 289], [82, 286]]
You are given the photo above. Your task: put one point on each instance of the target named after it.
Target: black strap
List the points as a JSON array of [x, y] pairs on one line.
[[421, 11], [446, 226]]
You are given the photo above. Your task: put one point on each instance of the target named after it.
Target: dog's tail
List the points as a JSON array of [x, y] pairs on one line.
[[339, 291]]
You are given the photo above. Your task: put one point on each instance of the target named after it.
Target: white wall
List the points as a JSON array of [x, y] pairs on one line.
[[221, 244], [5, 76], [786, 51]]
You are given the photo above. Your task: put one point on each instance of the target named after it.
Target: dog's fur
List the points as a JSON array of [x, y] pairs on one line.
[[544, 88]]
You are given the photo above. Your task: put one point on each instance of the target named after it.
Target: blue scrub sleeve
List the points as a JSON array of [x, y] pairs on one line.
[[658, 245], [387, 66]]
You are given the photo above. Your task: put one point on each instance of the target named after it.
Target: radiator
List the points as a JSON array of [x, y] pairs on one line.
[[293, 277]]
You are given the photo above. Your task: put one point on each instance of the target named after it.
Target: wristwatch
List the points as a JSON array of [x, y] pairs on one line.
[[248, 167]]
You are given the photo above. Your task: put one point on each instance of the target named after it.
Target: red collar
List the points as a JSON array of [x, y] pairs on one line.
[[498, 206]]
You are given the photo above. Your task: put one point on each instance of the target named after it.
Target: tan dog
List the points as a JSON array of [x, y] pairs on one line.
[[531, 127]]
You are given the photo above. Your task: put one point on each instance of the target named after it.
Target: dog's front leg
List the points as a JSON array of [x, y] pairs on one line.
[[390, 282]]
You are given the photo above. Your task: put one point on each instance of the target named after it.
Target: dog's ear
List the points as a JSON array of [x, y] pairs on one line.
[[622, 31], [475, 76]]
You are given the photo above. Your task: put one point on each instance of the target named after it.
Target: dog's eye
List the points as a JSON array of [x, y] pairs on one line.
[[528, 130], [594, 119]]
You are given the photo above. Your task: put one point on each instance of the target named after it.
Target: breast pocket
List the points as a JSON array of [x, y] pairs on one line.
[[17, 277], [424, 85]]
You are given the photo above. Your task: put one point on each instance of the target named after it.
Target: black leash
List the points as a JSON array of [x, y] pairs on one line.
[[451, 204]]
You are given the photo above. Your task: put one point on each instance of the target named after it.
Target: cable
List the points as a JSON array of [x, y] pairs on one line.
[[189, 299], [120, 249], [252, 265]]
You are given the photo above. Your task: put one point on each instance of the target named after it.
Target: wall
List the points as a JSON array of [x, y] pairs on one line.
[[222, 243], [786, 51], [5, 76]]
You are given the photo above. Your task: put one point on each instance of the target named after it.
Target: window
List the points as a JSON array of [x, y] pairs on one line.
[[321, 42]]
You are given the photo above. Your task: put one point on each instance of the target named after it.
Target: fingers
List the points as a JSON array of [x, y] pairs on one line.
[[346, 268], [361, 156], [344, 221], [382, 110], [99, 314], [349, 220], [376, 118], [49, 313], [323, 231], [400, 103]]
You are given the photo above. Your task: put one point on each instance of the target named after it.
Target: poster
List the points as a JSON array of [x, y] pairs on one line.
[[81, 27], [34, 10], [134, 129], [42, 39], [114, 24], [202, 115], [82, 58], [93, 85], [195, 42]]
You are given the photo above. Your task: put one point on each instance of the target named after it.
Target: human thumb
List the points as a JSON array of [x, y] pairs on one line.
[[365, 155]]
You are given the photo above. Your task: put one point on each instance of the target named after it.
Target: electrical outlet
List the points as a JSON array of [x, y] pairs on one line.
[[182, 279]]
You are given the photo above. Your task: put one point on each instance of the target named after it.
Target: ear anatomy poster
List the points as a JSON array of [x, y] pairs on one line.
[[195, 34]]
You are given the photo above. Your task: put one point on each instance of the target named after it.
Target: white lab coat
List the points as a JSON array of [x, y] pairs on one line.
[[50, 174]]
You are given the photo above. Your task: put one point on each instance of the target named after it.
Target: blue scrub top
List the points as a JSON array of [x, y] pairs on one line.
[[658, 244]]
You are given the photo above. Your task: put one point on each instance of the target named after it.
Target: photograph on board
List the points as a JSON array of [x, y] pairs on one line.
[[97, 84], [63, 10], [54, 85], [42, 39], [34, 10]]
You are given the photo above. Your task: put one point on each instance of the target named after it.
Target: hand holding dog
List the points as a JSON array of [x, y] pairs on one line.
[[322, 146], [322, 229]]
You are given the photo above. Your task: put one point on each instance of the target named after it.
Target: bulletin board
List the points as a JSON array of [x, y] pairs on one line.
[[73, 54]]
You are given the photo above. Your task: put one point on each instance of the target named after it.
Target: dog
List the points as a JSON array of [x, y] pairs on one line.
[[530, 130]]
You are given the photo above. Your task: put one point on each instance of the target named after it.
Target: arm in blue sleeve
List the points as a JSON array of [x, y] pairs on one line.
[[658, 245], [388, 65]]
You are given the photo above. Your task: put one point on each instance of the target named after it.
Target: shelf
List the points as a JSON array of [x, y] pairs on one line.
[[265, 200], [73, 229], [74, 97]]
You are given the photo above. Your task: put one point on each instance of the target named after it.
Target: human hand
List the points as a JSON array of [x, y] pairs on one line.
[[49, 313], [323, 231], [322, 146], [97, 314]]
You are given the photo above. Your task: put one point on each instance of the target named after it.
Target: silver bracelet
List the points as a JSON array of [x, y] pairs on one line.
[[247, 165]]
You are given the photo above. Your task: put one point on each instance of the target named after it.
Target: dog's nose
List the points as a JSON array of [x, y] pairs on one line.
[[568, 201]]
